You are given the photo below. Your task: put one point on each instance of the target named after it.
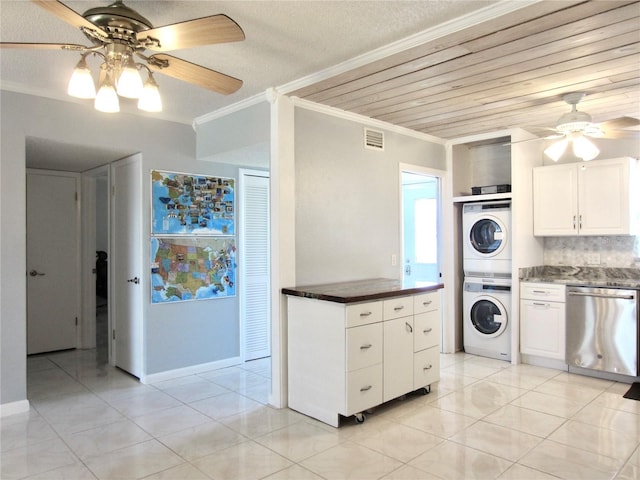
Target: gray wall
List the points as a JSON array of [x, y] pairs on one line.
[[178, 335], [348, 198]]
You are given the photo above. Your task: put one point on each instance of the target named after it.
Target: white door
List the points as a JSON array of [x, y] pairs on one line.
[[255, 305], [420, 207], [53, 254], [127, 282]]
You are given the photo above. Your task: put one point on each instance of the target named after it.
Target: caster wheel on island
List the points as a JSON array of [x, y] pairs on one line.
[[360, 417]]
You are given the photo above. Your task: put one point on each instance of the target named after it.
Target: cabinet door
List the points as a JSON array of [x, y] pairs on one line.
[[555, 200], [542, 329], [603, 197], [398, 357]]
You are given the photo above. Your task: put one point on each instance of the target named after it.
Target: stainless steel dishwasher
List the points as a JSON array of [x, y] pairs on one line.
[[602, 329]]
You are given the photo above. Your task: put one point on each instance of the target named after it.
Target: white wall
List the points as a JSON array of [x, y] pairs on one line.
[[348, 199]]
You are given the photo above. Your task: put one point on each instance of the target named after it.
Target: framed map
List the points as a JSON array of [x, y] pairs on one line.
[[184, 204], [192, 268]]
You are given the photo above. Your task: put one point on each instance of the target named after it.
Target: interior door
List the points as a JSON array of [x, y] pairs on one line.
[[53, 296], [255, 305], [420, 196], [127, 282]]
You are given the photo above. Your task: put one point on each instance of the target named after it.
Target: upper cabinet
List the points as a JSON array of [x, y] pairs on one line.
[[586, 198]]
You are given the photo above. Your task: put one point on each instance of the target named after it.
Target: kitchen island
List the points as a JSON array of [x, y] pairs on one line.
[[355, 345]]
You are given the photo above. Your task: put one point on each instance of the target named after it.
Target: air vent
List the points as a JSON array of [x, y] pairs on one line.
[[373, 139]]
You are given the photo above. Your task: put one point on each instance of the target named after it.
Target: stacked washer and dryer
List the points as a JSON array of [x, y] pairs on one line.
[[486, 294]]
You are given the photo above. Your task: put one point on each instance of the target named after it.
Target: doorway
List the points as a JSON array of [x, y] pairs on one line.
[[420, 226]]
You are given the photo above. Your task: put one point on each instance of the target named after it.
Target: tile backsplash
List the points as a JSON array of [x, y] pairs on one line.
[[577, 251]]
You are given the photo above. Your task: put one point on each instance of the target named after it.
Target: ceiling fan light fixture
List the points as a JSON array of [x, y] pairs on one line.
[[556, 149], [585, 149], [129, 84], [107, 98], [150, 100], [81, 83]]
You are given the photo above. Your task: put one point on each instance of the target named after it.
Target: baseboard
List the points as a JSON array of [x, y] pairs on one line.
[[544, 362], [192, 370], [13, 408]]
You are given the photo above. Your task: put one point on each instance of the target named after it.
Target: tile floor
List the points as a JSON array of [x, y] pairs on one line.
[[485, 419]]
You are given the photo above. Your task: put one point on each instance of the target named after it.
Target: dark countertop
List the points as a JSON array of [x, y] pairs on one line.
[[583, 276], [362, 290]]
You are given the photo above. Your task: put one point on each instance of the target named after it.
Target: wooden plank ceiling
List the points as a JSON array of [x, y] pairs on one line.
[[509, 72]]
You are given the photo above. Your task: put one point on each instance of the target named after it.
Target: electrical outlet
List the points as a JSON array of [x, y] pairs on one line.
[[592, 258]]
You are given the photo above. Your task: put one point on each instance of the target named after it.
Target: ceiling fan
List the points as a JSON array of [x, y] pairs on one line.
[[578, 122], [575, 126], [119, 34]]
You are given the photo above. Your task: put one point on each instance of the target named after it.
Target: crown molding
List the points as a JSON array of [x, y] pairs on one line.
[[355, 117], [235, 107]]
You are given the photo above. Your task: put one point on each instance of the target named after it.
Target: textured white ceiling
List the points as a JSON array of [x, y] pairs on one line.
[[285, 41]]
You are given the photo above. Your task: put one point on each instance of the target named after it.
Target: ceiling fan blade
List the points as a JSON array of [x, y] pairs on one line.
[[192, 33], [617, 123], [68, 15], [617, 134], [45, 46], [192, 73], [548, 137]]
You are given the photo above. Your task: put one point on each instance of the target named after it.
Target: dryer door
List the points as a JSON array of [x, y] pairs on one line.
[[488, 316], [487, 236]]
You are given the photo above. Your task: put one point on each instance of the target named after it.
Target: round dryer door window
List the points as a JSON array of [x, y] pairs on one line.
[[487, 236], [488, 317]]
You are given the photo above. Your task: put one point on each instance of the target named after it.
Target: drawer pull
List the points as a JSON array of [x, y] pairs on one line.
[[427, 303], [367, 388], [365, 314], [428, 368], [397, 309], [537, 304], [428, 330], [541, 292], [409, 327], [365, 347]]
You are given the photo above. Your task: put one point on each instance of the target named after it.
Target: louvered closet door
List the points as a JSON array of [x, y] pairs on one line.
[[255, 301]]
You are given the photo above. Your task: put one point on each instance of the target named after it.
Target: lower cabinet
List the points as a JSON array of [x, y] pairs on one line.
[[542, 320], [346, 359]]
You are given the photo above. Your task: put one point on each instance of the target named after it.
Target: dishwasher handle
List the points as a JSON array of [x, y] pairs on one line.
[[601, 295]]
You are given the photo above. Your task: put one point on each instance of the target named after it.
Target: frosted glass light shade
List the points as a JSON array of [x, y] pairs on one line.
[[555, 150], [585, 149], [81, 82], [150, 100], [107, 99], [129, 83]]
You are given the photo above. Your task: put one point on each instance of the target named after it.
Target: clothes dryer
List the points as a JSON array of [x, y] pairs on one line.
[[487, 317], [487, 239]]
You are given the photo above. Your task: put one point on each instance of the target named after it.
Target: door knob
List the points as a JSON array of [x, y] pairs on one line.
[[35, 273], [135, 280]]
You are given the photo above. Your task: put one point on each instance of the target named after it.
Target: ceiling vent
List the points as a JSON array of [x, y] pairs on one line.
[[373, 139]]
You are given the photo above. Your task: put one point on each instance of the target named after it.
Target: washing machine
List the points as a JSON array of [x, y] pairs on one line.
[[486, 248], [487, 317]]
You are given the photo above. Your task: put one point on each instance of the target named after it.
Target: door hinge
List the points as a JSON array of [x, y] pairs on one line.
[[113, 190], [113, 334], [76, 196], [76, 321]]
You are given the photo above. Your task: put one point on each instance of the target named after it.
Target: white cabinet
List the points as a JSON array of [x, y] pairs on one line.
[[586, 198], [542, 320], [345, 359]]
